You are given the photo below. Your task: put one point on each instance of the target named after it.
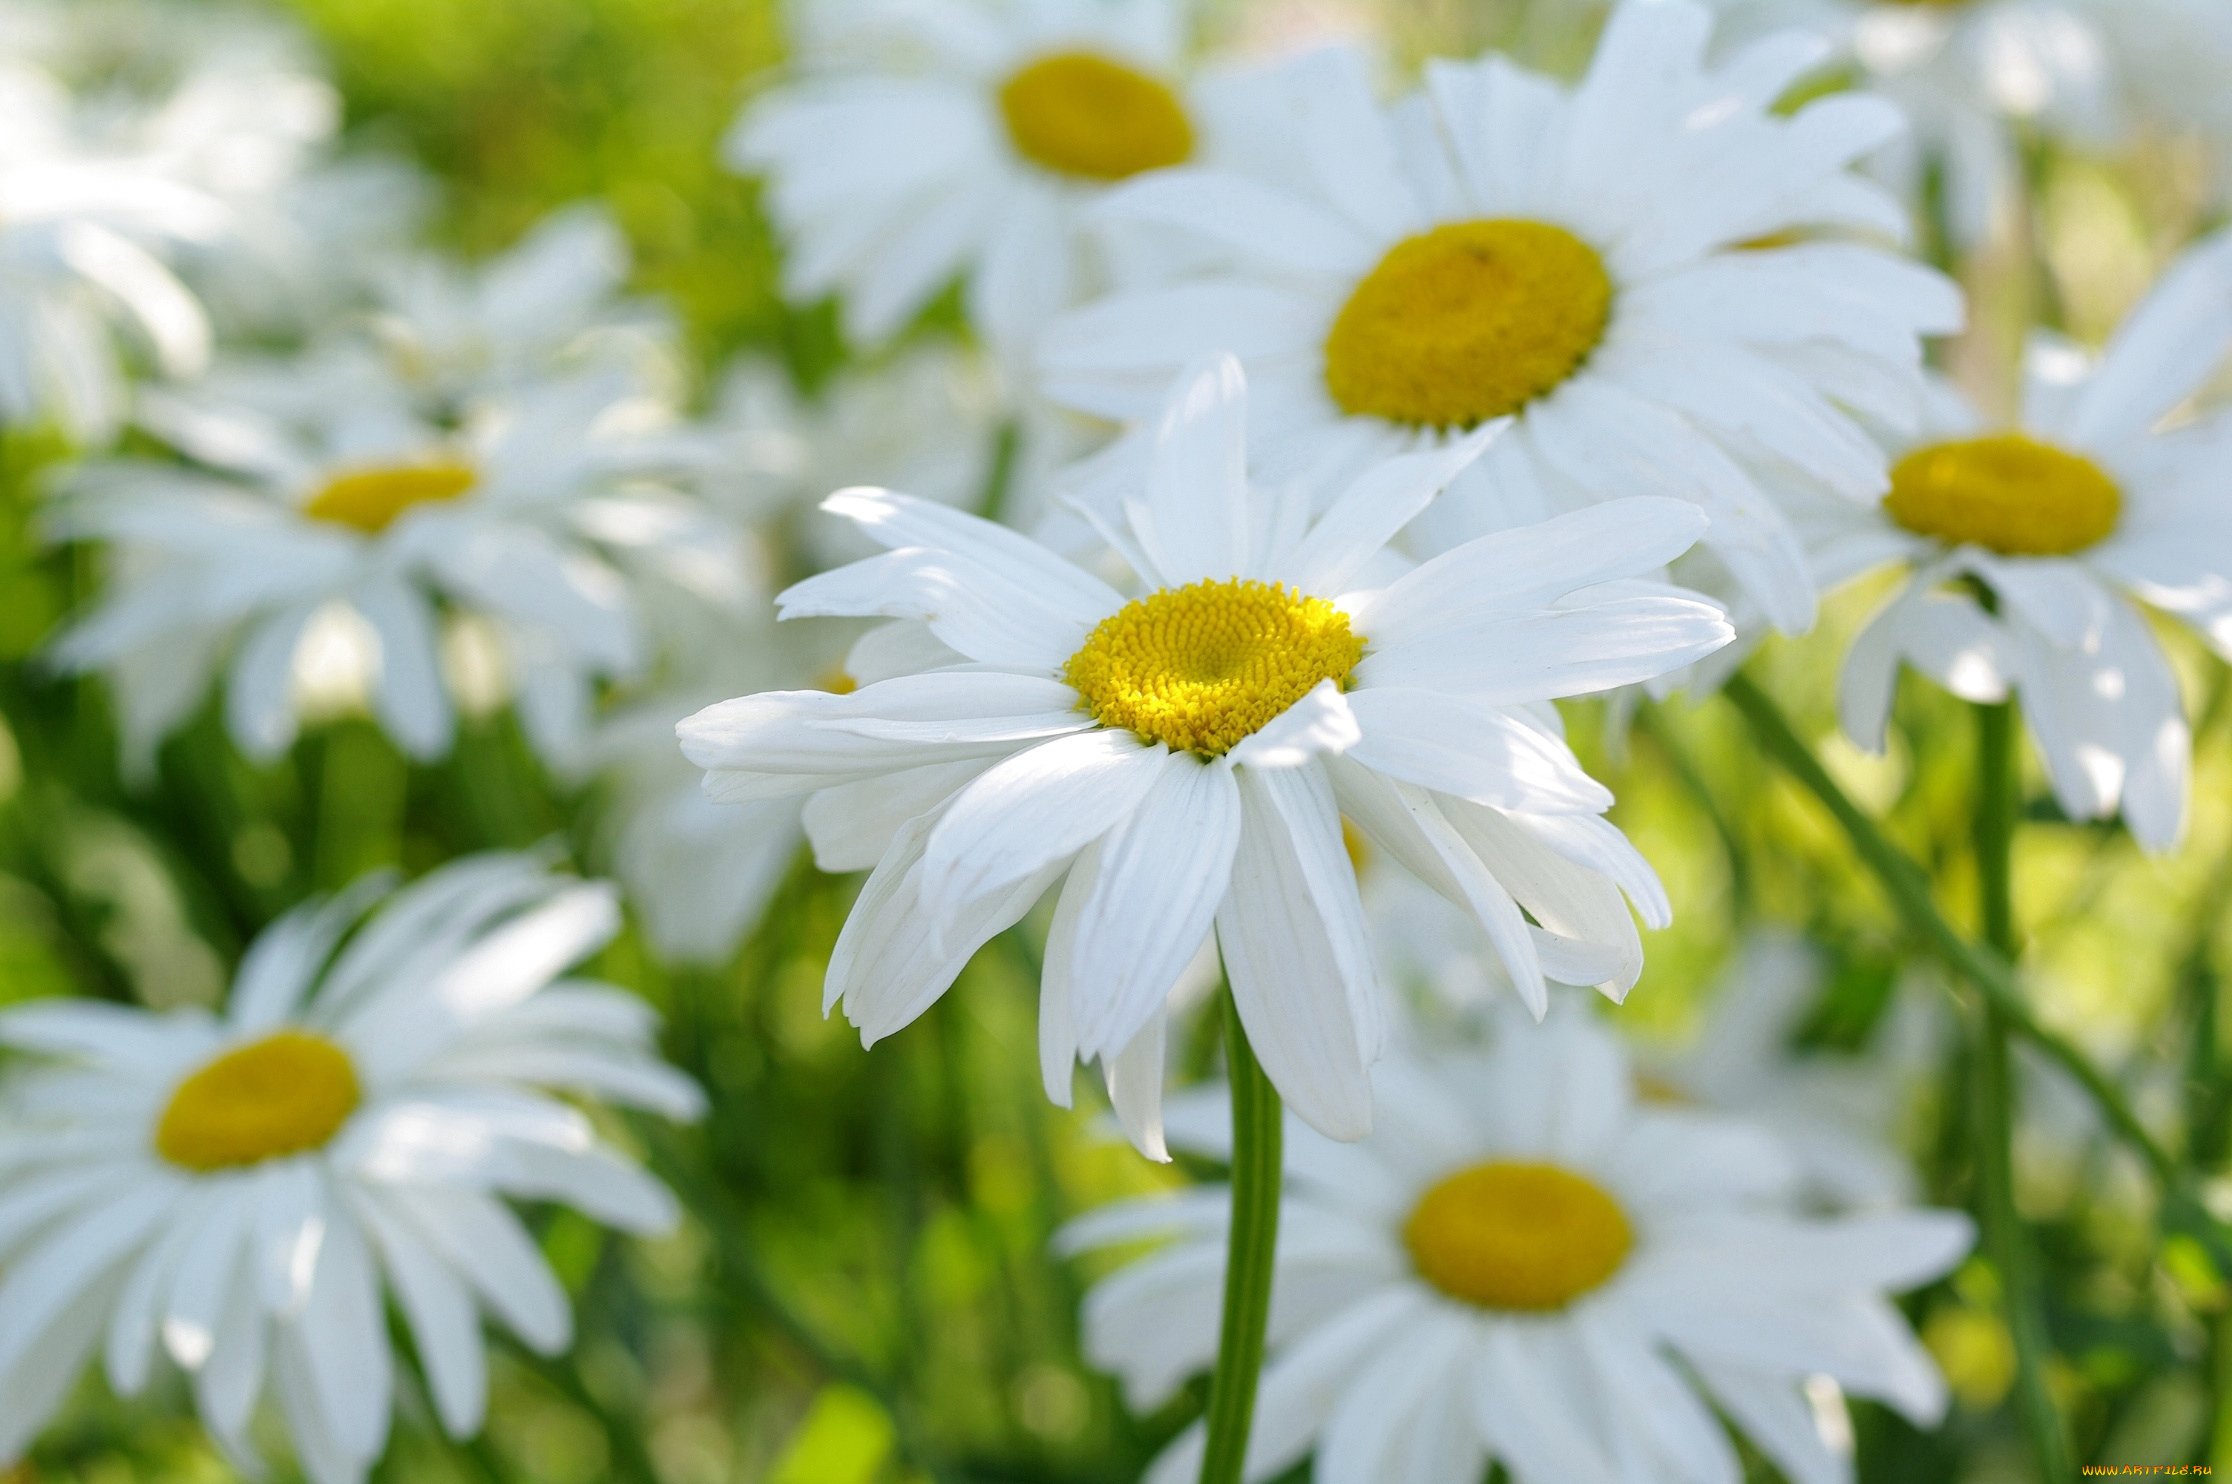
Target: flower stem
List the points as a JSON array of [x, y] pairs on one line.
[[1256, 1177], [1998, 796], [1909, 890]]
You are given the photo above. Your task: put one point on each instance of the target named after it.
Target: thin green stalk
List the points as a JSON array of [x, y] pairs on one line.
[[1650, 720], [1257, 1171], [1998, 801], [1909, 890]]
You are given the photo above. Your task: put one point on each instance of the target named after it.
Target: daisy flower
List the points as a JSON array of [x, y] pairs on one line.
[[1971, 75], [1583, 260], [1181, 760], [1836, 1113], [85, 229], [2099, 500], [318, 494], [1523, 1266], [550, 306], [700, 873], [239, 1195], [927, 140]]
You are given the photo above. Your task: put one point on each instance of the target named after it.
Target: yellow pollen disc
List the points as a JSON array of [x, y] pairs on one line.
[[836, 681], [1468, 322], [1203, 666], [286, 1094], [1507, 1235], [2006, 493], [371, 499], [1083, 114]]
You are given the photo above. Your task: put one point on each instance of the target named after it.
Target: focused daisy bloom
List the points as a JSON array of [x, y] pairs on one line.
[[2107, 492], [926, 142], [1182, 759], [1586, 261], [1973, 76], [320, 504], [1524, 1266], [238, 1196]]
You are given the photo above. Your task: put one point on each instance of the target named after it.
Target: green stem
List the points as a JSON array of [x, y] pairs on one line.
[[1257, 1170], [1650, 720], [1909, 890], [1998, 801]]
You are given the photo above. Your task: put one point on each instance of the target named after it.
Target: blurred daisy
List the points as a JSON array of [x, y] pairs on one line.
[[929, 140], [1522, 1266], [1972, 75], [2105, 493], [84, 230], [239, 1195], [1185, 757], [1836, 1113], [551, 306], [700, 873], [1582, 260], [321, 504]]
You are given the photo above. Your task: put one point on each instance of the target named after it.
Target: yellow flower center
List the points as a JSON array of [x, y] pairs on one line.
[[1509, 1235], [1468, 322], [286, 1094], [1203, 666], [2007, 493], [1081, 114], [371, 499]]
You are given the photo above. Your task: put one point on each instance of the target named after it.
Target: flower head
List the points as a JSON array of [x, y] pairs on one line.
[[2101, 495], [926, 142], [322, 502], [240, 1194], [1182, 760], [1587, 261], [1524, 1266]]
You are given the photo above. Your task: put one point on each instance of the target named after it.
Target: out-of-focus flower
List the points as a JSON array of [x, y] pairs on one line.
[[1185, 757], [239, 1195], [929, 140], [2102, 495], [1972, 74], [317, 489], [551, 306], [1837, 1114], [1586, 261], [1522, 1265], [84, 229]]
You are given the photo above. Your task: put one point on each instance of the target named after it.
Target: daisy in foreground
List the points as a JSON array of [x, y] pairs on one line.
[[1523, 1266], [930, 141], [1585, 261], [2101, 496], [1185, 757], [237, 1194]]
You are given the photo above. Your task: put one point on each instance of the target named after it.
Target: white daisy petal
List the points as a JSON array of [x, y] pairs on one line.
[[1291, 931], [1152, 899], [1038, 807], [2163, 353], [445, 1325]]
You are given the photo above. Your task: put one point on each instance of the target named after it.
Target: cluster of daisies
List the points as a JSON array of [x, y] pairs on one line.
[[1311, 441]]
